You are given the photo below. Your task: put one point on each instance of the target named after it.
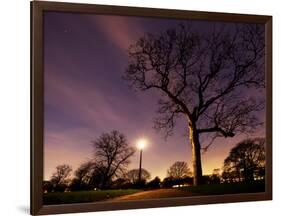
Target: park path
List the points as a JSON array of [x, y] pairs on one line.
[[153, 194]]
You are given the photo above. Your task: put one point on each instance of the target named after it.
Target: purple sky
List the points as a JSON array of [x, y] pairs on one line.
[[85, 95]]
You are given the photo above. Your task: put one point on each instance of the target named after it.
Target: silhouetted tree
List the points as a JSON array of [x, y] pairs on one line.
[[179, 170], [245, 160], [229, 176], [215, 177], [112, 153], [201, 76], [168, 182], [121, 183], [133, 176], [60, 177], [98, 177], [83, 175], [154, 183]]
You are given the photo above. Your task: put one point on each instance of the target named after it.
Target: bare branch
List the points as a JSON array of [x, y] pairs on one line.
[[211, 78]]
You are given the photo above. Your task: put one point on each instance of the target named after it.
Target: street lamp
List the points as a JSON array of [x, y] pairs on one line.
[[141, 144]]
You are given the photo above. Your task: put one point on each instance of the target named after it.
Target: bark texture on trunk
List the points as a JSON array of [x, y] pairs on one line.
[[196, 154]]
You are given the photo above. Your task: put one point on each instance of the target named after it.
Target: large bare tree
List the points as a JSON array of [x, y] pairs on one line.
[[209, 78], [112, 156]]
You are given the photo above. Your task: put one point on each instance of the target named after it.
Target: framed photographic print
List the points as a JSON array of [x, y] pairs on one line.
[[139, 107]]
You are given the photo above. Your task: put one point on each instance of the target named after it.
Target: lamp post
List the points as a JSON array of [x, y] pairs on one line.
[[141, 143]]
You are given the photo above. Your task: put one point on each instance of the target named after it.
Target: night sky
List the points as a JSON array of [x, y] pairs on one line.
[[84, 59]]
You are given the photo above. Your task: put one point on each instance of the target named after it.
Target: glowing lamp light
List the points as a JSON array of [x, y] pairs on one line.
[[141, 143]]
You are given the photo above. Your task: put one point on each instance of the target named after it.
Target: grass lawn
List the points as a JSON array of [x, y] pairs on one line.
[[219, 189], [84, 196]]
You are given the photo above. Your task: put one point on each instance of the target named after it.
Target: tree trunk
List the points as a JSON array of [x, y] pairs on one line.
[[196, 154]]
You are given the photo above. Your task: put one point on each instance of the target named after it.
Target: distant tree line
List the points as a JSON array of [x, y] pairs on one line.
[[108, 168]]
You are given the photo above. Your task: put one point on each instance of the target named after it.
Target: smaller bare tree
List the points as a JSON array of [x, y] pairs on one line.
[[179, 170], [60, 177], [112, 154]]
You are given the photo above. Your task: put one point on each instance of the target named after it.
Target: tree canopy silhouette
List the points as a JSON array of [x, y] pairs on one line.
[[133, 175], [154, 183], [112, 153], [179, 170], [83, 176], [215, 178], [60, 177], [204, 77], [245, 161]]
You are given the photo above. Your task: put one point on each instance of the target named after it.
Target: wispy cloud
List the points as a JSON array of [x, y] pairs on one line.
[[118, 29], [79, 101]]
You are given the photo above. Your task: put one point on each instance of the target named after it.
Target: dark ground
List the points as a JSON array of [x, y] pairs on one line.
[[133, 194], [218, 189]]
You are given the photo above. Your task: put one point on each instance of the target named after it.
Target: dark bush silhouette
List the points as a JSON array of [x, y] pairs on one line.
[[47, 187], [121, 183], [215, 178], [154, 183], [169, 182]]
